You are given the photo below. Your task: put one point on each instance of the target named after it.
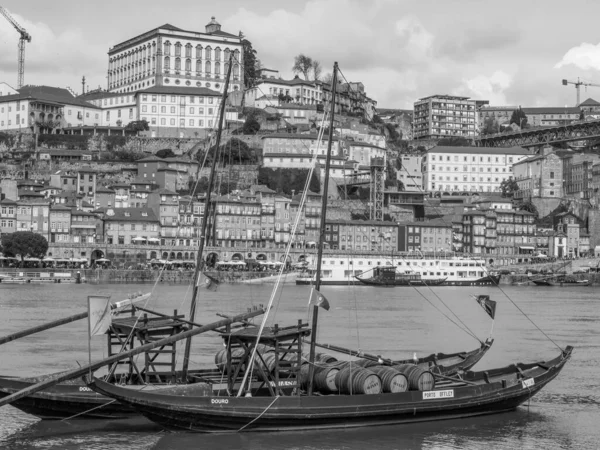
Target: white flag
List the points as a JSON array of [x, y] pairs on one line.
[[98, 314]]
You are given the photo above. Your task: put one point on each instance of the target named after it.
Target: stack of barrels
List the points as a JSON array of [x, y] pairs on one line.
[[364, 377], [266, 353]]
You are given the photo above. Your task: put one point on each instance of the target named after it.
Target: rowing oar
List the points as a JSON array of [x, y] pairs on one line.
[[65, 320], [64, 376]]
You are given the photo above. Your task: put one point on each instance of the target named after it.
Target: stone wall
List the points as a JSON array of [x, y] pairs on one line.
[[546, 205], [594, 227]]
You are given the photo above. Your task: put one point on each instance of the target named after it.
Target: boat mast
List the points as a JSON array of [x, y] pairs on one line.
[[211, 180], [315, 311]]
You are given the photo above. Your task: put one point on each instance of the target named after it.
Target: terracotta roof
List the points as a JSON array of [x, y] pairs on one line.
[[589, 102], [100, 189], [313, 137], [261, 188], [551, 110], [151, 159], [59, 207], [363, 144], [129, 215], [481, 150], [48, 94]]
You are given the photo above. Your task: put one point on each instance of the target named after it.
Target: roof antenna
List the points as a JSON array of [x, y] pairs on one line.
[[83, 85]]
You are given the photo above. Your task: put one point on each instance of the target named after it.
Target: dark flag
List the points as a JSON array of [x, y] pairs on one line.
[[487, 304], [207, 282], [318, 299]]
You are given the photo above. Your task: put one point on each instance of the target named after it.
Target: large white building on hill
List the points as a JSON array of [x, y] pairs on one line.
[[469, 169], [170, 56]]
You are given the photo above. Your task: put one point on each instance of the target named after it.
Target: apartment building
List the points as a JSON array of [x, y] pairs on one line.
[[428, 236], [129, 226], [238, 222], [441, 116], [60, 223], [578, 174], [539, 176], [8, 216], [366, 235]]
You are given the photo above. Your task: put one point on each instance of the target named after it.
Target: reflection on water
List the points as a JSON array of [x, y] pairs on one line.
[[391, 322]]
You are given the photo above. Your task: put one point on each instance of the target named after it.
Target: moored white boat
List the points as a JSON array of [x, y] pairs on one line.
[[457, 271]]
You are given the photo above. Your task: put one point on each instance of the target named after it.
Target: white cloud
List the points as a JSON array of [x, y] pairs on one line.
[[57, 59], [585, 56], [482, 87], [372, 42]]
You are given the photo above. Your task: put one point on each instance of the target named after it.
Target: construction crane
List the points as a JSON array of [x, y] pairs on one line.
[[578, 85], [25, 37]]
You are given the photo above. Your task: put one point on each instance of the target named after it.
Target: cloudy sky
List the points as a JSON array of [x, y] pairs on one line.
[[509, 52]]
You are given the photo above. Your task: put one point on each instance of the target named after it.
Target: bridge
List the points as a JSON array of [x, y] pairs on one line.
[[536, 137]]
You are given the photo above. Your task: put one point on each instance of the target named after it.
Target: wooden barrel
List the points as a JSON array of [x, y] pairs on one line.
[[391, 379], [357, 381], [221, 357], [324, 378], [418, 379], [324, 358], [269, 361]]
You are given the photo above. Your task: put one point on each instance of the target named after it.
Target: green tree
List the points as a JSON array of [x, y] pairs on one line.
[[287, 180], [165, 153], [454, 142], [490, 126], [509, 187], [519, 118], [137, 126], [24, 244], [251, 125], [317, 70], [529, 207], [251, 65], [285, 98], [303, 64]]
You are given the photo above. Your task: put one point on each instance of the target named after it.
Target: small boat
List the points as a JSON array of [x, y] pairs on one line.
[[561, 282], [390, 277]]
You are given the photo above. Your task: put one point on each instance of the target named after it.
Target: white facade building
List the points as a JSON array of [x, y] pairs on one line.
[[410, 173], [469, 169], [170, 56], [363, 152]]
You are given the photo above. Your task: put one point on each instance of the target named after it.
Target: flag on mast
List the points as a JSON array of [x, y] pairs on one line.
[[207, 282], [488, 305], [98, 314], [318, 299]]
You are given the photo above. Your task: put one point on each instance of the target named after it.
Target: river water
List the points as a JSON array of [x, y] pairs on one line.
[[392, 322]]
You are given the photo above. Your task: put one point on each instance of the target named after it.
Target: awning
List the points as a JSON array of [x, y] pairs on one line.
[[153, 240], [138, 239], [525, 247]]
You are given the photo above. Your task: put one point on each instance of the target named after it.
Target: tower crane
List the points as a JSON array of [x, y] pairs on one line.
[[578, 85], [25, 37]]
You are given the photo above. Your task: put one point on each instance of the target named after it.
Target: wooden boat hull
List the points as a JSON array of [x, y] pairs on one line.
[[76, 399], [399, 282], [504, 392], [561, 283], [64, 400]]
